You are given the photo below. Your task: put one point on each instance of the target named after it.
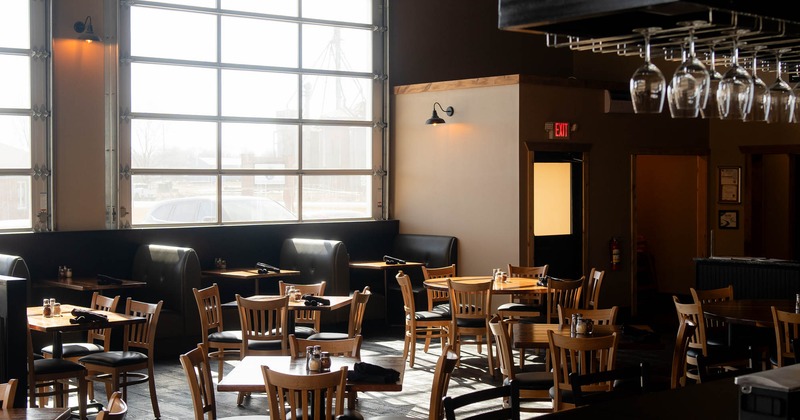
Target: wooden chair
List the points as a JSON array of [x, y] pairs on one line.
[[358, 308], [221, 344], [580, 355], [119, 369], [8, 390], [627, 381], [787, 332], [471, 308], [349, 347], [591, 290], [420, 324], [598, 316], [717, 356], [306, 323], [97, 340], [196, 366], [51, 377], [566, 293], [716, 329], [318, 396], [116, 409], [263, 324], [524, 305], [686, 330], [438, 300], [508, 409], [533, 386]]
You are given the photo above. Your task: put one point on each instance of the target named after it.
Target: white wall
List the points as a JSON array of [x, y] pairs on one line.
[[460, 178]]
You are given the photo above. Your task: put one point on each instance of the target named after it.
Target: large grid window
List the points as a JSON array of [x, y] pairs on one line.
[[24, 116], [237, 111]]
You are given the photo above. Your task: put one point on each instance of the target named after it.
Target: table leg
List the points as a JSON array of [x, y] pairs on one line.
[[385, 297], [256, 290], [58, 347]]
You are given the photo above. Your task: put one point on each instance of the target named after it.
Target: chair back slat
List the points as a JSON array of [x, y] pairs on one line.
[[198, 375], [787, 332], [591, 291], [102, 303], [357, 310], [566, 293], [320, 394], [436, 296], [598, 316], [348, 347], [441, 379], [531, 272], [142, 335], [722, 294], [580, 355]]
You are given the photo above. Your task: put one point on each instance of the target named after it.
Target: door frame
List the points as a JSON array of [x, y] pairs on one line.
[[526, 248]]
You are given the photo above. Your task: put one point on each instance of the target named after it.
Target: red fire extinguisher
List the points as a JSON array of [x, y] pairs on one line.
[[616, 258]]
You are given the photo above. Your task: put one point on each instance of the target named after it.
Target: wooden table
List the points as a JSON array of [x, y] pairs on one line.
[[247, 375], [534, 335], [747, 312], [89, 284], [35, 413], [249, 274], [384, 267], [337, 302], [514, 285], [59, 324]]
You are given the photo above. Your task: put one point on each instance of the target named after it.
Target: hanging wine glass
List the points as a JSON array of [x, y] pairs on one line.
[[647, 85], [781, 96], [676, 95], [689, 84], [760, 108], [711, 110], [735, 92]]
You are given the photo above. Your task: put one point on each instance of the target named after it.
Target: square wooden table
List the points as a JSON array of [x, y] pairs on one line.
[[247, 375], [534, 335], [337, 302], [384, 267], [249, 274], [39, 413], [60, 324]]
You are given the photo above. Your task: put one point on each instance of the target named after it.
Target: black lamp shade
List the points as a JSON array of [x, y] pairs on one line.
[[434, 119]]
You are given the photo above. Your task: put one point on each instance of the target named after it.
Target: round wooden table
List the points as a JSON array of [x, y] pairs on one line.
[[747, 312], [514, 285], [753, 312]]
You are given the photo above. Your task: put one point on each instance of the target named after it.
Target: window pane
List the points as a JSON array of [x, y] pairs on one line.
[[163, 199], [337, 147], [357, 11], [15, 202], [173, 144], [334, 48], [173, 89], [259, 146], [172, 34], [15, 84], [247, 41], [552, 185], [336, 197], [337, 98], [259, 198], [15, 142], [16, 22], [259, 94], [195, 3], [271, 7]]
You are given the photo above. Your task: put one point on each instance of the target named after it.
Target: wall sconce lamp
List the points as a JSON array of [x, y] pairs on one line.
[[435, 119], [86, 30]]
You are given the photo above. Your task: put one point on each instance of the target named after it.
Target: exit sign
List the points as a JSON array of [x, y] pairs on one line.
[[558, 129]]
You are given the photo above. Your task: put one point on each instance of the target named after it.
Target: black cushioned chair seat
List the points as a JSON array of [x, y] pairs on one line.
[[516, 306], [50, 366], [328, 336], [76, 349], [264, 345], [444, 309], [429, 316], [533, 380], [232, 336], [302, 331], [115, 358], [470, 323]]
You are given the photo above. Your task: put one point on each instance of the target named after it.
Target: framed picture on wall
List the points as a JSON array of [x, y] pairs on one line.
[[730, 184], [729, 219]]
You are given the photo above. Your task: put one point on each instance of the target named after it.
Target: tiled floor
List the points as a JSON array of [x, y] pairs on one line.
[[175, 402]]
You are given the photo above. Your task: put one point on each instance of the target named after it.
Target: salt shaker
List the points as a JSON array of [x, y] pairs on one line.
[[47, 310], [309, 356]]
